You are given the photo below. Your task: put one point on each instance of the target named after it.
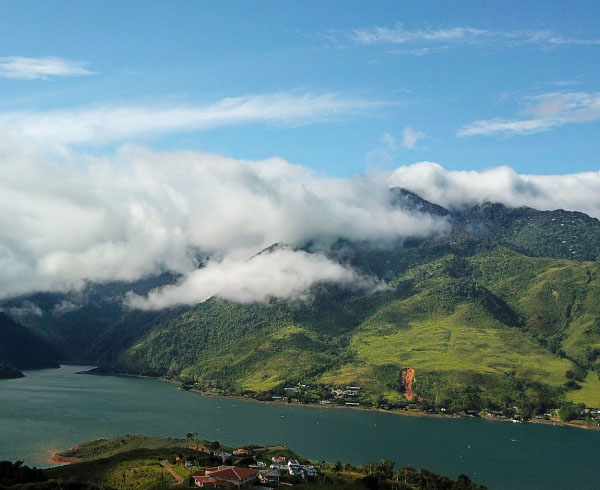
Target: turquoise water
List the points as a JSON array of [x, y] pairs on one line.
[[54, 409]]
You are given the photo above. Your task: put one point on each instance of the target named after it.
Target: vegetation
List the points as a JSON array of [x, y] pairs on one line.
[[133, 462], [476, 318], [21, 348], [7, 372], [504, 312]]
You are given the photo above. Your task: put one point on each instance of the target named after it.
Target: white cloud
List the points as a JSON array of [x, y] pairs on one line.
[[410, 137], [428, 40], [117, 123], [77, 218], [19, 67], [282, 273], [454, 188], [547, 111], [400, 35]]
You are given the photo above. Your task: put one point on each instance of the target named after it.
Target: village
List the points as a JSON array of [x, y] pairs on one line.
[[411, 404], [247, 468]]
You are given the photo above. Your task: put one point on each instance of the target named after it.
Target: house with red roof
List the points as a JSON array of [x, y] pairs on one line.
[[226, 477]]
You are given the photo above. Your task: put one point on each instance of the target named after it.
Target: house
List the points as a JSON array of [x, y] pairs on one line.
[[309, 471], [294, 467], [278, 459], [208, 482], [226, 477], [269, 477], [352, 390], [240, 452]]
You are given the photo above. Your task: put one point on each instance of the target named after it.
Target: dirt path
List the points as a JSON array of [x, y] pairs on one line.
[[178, 477]]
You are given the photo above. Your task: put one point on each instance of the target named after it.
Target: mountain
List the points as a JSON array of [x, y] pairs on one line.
[[21, 348], [510, 326], [501, 312]]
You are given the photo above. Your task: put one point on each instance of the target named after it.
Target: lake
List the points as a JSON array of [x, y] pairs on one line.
[[51, 410]]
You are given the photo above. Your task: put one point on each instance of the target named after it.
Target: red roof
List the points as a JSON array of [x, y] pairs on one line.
[[205, 479], [230, 472]]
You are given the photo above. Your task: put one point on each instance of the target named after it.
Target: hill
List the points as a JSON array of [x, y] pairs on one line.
[[23, 349], [137, 462], [479, 319], [501, 312], [7, 372]]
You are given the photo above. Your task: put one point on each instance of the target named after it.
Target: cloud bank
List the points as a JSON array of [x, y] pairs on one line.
[[456, 188], [278, 274], [78, 217], [19, 67]]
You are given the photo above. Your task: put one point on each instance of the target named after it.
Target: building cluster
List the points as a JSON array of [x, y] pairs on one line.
[[238, 477], [226, 477], [293, 467]]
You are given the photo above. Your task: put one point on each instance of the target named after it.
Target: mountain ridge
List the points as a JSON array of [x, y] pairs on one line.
[[504, 304]]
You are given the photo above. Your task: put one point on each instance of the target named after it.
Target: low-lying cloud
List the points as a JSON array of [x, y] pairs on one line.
[[278, 274], [76, 218], [457, 188]]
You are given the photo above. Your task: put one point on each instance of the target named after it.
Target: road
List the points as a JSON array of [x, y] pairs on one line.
[[178, 477]]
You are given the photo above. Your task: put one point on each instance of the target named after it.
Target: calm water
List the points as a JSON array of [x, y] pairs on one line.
[[54, 409]]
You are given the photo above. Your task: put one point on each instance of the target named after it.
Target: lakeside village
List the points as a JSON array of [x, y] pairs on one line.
[[409, 403], [249, 471]]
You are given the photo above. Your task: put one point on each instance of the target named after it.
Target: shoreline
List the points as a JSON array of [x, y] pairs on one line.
[[405, 413]]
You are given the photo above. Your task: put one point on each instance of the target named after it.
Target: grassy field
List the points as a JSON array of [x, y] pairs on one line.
[[589, 392], [132, 459]]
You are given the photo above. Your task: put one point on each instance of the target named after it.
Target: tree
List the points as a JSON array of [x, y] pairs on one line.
[[567, 412]]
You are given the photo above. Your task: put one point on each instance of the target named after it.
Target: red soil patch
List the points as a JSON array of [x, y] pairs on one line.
[[62, 459], [408, 377]]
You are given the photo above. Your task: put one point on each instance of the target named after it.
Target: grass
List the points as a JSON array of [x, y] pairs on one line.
[[133, 457], [133, 463], [466, 340], [589, 392]]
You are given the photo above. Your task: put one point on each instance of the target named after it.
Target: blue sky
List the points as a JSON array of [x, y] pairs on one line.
[[340, 87]]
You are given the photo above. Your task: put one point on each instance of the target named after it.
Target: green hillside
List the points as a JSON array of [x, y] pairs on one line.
[[134, 462], [484, 323], [503, 311], [23, 349]]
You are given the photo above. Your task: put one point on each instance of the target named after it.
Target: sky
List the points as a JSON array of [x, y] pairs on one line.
[[337, 86], [138, 136]]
